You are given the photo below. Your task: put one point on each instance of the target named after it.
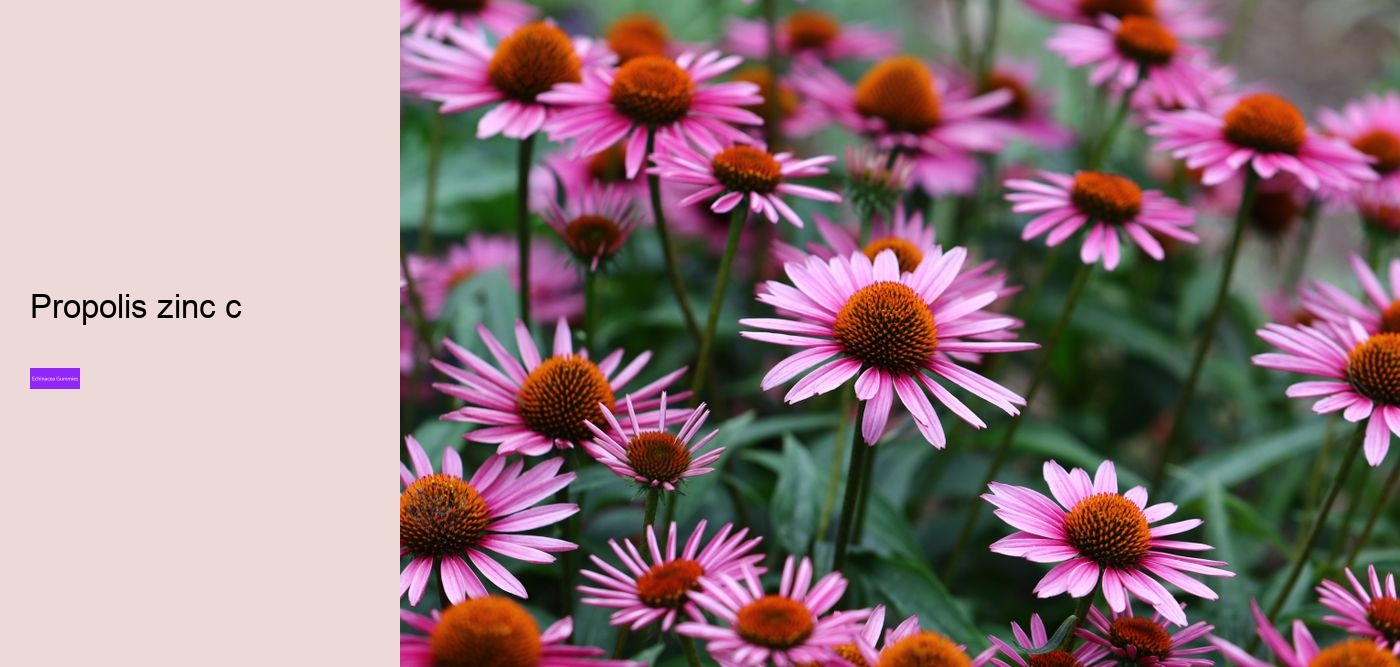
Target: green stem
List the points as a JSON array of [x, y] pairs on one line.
[[989, 41], [833, 481], [962, 32], [848, 506], [1105, 144], [707, 343], [590, 312], [620, 646], [1300, 254], [1076, 288], [522, 222], [771, 109], [1237, 29], [653, 498], [1081, 611], [692, 655], [1381, 504], [1319, 467], [1222, 293], [867, 470], [436, 129], [1358, 496], [667, 251], [1314, 530]]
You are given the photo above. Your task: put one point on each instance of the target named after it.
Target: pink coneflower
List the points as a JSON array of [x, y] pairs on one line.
[[784, 629], [673, 96], [1279, 203], [876, 180], [1095, 530], [493, 631], [466, 73], [1034, 644], [1136, 51], [637, 35], [900, 105], [434, 18], [546, 403], [1264, 132], [812, 34], [594, 224], [1108, 204], [734, 174], [798, 115], [1372, 126], [555, 289], [1379, 208], [445, 520], [1145, 642], [1373, 612], [907, 644], [1188, 18], [664, 588], [654, 458], [906, 234], [895, 330], [1305, 652], [1030, 113], [1363, 379], [562, 176], [1381, 315]]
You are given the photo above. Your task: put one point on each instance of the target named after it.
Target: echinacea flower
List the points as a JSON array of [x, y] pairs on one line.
[[675, 98], [653, 458], [1365, 612], [445, 521], [1145, 642], [1261, 132], [1038, 652], [1188, 18], [594, 224], [434, 18], [1097, 534], [555, 290], [1305, 652], [637, 35], [798, 116], [900, 105], [1136, 51], [664, 588], [785, 629], [905, 233], [811, 34], [1372, 126], [876, 180], [1108, 204], [493, 631], [1030, 113], [892, 331], [1363, 380], [562, 176], [742, 174], [908, 644], [466, 73], [1379, 209], [546, 403], [1381, 315]]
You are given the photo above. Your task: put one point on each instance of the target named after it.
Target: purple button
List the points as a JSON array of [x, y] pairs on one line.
[[54, 378]]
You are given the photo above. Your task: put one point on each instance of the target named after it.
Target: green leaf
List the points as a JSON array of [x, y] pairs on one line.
[[487, 299], [1058, 639], [890, 529], [1238, 463], [1233, 617], [1053, 442], [914, 589], [794, 506]]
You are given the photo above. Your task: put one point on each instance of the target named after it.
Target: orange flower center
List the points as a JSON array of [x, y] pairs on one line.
[[1274, 212], [1118, 8], [746, 169], [609, 165], [461, 6], [1106, 197], [1109, 530], [593, 235], [1373, 368], [1142, 634], [888, 326], [1390, 317], [653, 90], [637, 35], [1382, 216], [1382, 145], [900, 91], [658, 455], [851, 653], [1384, 615], [1266, 123], [486, 632], [808, 29], [1056, 658], [908, 254], [925, 649], [439, 515], [1145, 40], [761, 77], [666, 585], [1021, 100], [531, 60], [1354, 653], [560, 394], [775, 622]]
